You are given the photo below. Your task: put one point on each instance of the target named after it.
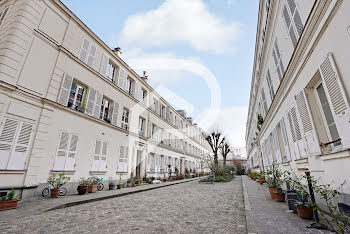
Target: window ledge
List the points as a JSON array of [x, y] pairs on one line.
[[300, 161], [336, 155], [2, 171], [98, 172], [121, 172], [62, 171], [285, 164]]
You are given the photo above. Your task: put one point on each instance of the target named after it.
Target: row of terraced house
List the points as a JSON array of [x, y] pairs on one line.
[[301, 87], [68, 103]]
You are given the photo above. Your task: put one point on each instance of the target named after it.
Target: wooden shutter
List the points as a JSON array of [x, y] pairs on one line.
[[61, 155], [285, 139], [286, 17], [305, 116], [91, 101], [121, 78], [103, 158], [168, 113], [264, 101], [121, 159], [270, 85], [337, 98], [65, 89], [97, 156], [277, 146], [98, 102], [92, 55], [298, 23], [72, 150], [126, 159], [115, 113], [7, 139], [104, 64], [84, 51]]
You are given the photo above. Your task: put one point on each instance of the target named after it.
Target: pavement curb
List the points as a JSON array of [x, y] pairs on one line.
[[251, 228], [76, 203]]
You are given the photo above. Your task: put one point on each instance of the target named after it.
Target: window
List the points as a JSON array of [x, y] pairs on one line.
[[327, 115], [293, 21], [100, 157], [14, 143], [111, 71], [278, 61], [151, 162], [66, 152], [125, 119], [163, 111], [270, 85], [141, 126], [106, 110], [76, 96], [144, 96], [3, 14], [88, 52], [130, 86], [123, 159]]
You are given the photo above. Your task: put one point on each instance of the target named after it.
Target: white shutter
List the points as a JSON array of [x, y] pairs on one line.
[[61, 155], [285, 140], [96, 161], [92, 55], [126, 159], [115, 113], [7, 139], [121, 81], [91, 101], [72, 150], [104, 64], [337, 98], [277, 147], [83, 55], [103, 158], [65, 89], [298, 23], [121, 159], [97, 108], [310, 137], [149, 129]]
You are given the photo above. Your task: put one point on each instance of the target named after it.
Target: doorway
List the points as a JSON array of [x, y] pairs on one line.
[[138, 164]]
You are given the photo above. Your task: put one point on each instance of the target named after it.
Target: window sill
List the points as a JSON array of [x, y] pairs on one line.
[[336, 155], [121, 172], [4, 171], [98, 172], [300, 161], [62, 171]]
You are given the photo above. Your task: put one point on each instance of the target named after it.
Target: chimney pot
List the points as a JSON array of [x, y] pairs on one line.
[[118, 51]]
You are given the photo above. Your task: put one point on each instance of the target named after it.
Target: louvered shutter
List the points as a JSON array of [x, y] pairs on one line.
[[298, 23], [104, 64], [72, 150], [121, 159], [91, 101], [337, 98], [60, 160], [168, 113], [98, 103], [277, 147], [115, 113], [149, 128], [305, 116], [121, 81], [92, 55], [84, 51], [126, 159], [103, 159], [286, 17], [7, 139], [97, 155], [65, 89], [285, 140], [264, 102], [270, 153], [270, 85]]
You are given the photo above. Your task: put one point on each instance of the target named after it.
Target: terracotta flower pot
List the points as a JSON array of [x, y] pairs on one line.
[[280, 197], [133, 185], [119, 186], [54, 193], [82, 189], [164, 180], [272, 192], [7, 205], [305, 212], [92, 188]]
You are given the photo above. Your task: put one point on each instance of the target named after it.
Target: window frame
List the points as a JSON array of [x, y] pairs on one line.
[[125, 118]]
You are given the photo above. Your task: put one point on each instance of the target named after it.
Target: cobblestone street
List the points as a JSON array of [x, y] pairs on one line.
[[185, 208]]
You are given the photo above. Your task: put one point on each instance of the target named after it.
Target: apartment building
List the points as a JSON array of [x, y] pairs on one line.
[[300, 87], [68, 103]]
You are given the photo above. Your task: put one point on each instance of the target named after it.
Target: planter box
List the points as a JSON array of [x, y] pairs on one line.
[[92, 188], [8, 205], [305, 212]]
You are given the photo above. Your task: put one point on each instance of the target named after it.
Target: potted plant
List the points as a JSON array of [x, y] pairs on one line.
[[119, 185], [133, 184], [92, 187], [273, 180], [169, 172], [279, 194], [83, 186], [9, 201], [291, 195], [129, 183], [57, 181], [304, 206], [111, 184]]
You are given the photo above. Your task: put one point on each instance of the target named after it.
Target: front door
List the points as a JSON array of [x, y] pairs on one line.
[[138, 164]]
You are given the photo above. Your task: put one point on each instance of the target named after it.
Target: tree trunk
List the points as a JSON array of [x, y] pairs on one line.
[[216, 159], [224, 161]]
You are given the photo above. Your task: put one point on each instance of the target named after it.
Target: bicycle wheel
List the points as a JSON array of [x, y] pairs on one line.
[[45, 192], [63, 191], [100, 187]]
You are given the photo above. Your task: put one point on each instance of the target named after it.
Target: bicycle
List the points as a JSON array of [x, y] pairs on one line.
[[46, 191], [100, 185]]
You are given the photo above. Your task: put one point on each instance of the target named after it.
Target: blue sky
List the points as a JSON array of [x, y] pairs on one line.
[[197, 53]]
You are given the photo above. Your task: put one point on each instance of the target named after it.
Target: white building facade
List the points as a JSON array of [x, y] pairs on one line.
[[301, 86], [70, 104]]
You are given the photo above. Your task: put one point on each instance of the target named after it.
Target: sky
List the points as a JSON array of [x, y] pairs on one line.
[[198, 54]]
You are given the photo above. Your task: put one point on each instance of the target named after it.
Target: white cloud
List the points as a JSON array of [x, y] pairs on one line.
[[186, 21], [231, 120]]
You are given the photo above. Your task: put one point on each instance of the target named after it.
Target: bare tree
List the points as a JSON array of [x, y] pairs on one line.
[[225, 149], [215, 139]]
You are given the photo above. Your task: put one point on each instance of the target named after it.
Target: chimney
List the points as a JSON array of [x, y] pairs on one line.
[[118, 51], [144, 77]]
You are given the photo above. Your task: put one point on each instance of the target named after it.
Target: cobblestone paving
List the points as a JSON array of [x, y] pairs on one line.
[[270, 216], [185, 208]]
